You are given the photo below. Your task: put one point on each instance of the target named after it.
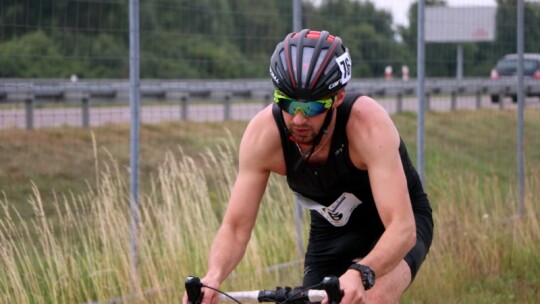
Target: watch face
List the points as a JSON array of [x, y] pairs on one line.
[[367, 275], [370, 277]]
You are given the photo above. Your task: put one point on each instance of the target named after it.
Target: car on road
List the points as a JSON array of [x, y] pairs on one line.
[[507, 67]]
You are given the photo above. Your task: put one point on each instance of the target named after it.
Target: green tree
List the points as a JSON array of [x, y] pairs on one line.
[[257, 28], [32, 55], [366, 31], [105, 56], [507, 27]]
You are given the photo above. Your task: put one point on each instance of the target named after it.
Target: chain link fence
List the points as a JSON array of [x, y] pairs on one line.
[[64, 72]]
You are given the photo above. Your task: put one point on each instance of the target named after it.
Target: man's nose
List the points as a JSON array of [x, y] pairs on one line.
[[299, 118]]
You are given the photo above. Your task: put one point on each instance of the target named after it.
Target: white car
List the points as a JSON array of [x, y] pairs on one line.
[[507, 67]]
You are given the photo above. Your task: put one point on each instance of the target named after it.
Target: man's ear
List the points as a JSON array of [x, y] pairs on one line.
[[339, 98]]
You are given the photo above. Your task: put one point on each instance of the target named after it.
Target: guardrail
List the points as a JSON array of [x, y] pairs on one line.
[[32, 91], [113, 89]]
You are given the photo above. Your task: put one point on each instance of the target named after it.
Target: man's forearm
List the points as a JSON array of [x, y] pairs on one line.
[[226, 252]]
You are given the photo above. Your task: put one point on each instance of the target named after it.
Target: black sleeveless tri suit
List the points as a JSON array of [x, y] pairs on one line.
[[344, 221]]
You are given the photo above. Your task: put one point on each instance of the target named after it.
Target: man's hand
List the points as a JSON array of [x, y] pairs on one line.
[[352, 287], [209, 296]]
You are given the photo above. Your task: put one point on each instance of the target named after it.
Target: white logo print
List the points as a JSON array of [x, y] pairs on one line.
[[334, 84], [339, 150], [274, 76], [338, 213]]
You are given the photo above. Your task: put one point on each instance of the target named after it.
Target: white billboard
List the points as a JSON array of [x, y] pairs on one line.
[[459, 24]]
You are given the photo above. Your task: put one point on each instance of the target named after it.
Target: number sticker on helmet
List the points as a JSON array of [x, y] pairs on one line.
[[344, 63]]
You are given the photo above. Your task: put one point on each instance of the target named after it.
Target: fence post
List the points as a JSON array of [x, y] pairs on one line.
[[453, 100], [399, 103], [428, 101], [85, 104], [501, 101], [478, 100], [184, 103], [29, 106], [227, 108]]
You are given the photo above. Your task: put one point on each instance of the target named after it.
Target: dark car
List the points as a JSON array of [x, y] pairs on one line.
[[507, 67]]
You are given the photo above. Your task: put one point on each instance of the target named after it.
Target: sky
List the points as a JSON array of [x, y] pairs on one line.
[[400, 8]]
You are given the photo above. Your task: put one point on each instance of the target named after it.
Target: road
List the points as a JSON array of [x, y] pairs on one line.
[[73, 116]]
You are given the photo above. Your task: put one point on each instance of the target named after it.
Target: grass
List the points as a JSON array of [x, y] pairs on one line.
[[482, 251], [61, 160], [64, 227]]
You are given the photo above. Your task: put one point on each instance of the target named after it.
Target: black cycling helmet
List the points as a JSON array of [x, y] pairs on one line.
[[310, 65]]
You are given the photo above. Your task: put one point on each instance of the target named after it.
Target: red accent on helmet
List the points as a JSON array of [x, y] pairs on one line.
[[315, 35]]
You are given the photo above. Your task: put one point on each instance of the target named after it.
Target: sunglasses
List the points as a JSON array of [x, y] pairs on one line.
[[308, 108]]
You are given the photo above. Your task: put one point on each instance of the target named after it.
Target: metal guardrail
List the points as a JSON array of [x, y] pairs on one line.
[[15, 90]]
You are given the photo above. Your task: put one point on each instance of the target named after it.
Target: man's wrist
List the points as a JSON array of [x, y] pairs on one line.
[[366, 274]]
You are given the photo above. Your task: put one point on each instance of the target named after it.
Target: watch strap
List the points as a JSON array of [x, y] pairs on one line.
[[366, 274]]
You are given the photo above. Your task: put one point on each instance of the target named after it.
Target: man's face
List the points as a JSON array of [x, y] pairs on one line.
[[304, 129]]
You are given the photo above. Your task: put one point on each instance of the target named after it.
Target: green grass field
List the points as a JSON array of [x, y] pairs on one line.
[[64, 221]]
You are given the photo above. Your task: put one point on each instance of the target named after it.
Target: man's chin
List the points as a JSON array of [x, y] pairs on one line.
[[303, 140]]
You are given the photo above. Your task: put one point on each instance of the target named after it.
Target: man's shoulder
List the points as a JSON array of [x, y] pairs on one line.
[[367, 115], [262, 131], [352, 97], [366, 105], [261, 143]]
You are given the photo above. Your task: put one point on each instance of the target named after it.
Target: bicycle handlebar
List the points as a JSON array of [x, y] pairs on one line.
[[289, 296], [279, 295], [193, 290]]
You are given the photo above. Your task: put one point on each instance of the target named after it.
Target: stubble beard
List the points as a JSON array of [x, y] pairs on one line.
[[305, 138]]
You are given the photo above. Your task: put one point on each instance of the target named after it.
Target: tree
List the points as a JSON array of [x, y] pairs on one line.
[[371, 40], [32, 55]]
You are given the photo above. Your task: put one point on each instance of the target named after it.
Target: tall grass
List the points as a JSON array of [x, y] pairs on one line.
[[80, 251], [82, 254], [481, 252]]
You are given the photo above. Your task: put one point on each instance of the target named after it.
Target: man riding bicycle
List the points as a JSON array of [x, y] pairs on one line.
[[371, 221]]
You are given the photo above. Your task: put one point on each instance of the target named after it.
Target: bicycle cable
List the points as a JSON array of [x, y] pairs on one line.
[[291, 298], [222, 292]]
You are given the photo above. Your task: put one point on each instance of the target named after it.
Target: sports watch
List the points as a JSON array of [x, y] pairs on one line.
[[367, 275]]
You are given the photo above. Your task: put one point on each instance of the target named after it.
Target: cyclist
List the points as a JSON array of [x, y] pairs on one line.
[[371, 221]]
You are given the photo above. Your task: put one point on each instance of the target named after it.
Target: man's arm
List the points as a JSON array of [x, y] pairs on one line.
[[257, 159], [374, 143], [231, 240]]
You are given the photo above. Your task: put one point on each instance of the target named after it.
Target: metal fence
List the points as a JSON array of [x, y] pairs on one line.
[[67, 63]]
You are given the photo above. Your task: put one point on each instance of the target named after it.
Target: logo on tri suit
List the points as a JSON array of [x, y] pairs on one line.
[[339, 150], [336, 216], [338, 213]]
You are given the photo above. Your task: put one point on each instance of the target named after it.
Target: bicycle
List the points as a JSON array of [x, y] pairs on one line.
[[281, 295]]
